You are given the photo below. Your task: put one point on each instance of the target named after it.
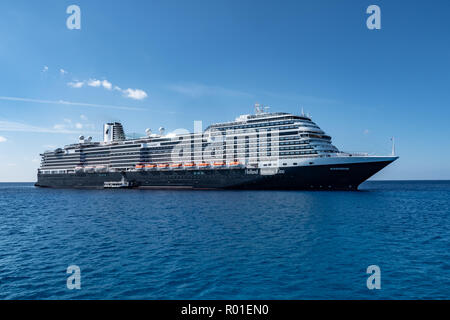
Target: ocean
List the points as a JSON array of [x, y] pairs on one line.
[[149, 244]]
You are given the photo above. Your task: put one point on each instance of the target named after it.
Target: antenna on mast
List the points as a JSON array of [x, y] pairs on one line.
[[393, 146], [258, 108]]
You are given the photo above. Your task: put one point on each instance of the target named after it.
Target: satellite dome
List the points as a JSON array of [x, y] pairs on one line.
[[148, 131]]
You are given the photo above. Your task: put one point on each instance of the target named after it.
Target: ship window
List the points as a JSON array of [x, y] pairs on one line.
[[295, 163], [284, 164]]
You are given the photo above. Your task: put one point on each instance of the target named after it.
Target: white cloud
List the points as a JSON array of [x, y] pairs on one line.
[[136, 94], [83, 117], [76, 84], [62, 71], [78, 125], [106, 84], [45, 69], [366, 131], [3, 139], [94, 83]]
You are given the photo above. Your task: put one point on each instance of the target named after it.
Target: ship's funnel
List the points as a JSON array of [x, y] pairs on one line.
[[113, 132]]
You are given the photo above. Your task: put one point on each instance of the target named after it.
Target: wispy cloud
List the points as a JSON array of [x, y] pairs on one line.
[[198, 90], [135, 94], [23, 127], [63, 72], [301, 98], [68, 124], [45, 69], [3, 139], [69, 103]]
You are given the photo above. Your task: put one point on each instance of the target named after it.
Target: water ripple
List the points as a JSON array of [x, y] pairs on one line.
[[133, 244]]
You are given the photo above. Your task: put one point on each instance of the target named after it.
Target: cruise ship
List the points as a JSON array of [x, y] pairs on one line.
[[264, 150]]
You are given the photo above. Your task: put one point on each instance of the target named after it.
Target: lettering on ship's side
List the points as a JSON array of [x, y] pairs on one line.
[[251, 171]]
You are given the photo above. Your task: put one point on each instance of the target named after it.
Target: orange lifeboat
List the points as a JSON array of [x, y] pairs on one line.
[[203, 165], [189, 165], [219, 164], [162, 165], [139, 166], [149, 166], [176, 165], [234, 164]]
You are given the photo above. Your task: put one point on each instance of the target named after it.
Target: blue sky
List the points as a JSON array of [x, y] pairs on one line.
[[168, 63]]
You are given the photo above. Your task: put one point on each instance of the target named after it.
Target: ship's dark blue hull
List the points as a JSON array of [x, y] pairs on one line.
[[319, 177]]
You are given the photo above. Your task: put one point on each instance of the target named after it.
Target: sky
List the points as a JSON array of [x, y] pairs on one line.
[[167, 63]]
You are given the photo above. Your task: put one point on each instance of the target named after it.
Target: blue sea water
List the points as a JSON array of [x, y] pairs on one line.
[[142, 244]]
